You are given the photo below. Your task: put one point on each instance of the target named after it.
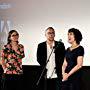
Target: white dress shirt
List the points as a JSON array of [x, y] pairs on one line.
[[51, 64]]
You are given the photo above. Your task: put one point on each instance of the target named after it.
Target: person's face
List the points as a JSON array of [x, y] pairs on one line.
[[50, 34], [14, 37], [71, 37]]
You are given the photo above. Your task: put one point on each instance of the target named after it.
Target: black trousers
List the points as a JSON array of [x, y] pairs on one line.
[[1, 72], [12, 82], [50, 84], [0, 81]]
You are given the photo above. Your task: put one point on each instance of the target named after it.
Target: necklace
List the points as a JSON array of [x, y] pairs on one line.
[[73, 47]]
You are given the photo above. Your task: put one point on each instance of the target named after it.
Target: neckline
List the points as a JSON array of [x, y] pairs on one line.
[[74, 48]]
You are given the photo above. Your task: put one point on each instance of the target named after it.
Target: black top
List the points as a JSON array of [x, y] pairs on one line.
[[71, 57]]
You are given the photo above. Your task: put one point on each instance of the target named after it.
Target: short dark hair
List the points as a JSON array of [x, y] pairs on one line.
[[77, 34], [50, 28], [9, 35]]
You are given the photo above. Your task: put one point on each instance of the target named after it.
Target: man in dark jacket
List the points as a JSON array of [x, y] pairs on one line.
[[50, 54]]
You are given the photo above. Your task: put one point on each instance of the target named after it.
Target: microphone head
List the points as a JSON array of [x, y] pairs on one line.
[[60, 40], [59, 43]]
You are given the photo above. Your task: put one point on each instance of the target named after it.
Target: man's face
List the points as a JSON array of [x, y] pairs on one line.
[[50, 34]]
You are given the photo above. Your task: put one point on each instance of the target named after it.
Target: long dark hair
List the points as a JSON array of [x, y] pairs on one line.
[[9, 36]]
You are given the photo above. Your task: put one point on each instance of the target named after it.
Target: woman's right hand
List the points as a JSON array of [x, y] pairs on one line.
[[65, 77]]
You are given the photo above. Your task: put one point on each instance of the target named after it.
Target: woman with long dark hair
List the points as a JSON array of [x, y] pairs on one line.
[[11, 61]]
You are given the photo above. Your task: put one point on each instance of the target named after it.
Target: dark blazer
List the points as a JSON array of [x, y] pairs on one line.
[[59, 56]]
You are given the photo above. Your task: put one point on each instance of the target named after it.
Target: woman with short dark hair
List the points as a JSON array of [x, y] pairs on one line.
[[71, 69]]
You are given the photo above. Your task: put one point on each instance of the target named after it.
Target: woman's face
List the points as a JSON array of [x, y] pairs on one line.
[[14, 37], [71, 37]]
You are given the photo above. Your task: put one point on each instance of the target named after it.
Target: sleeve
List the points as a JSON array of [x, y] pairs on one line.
[[4, 51], [81, 51], [3, 58], [38, 54], [41, 56]]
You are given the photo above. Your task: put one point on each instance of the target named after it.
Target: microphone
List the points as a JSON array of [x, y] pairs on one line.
[[58, 45], [60, 40]]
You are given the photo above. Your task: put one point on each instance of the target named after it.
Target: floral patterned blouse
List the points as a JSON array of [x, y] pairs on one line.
[[12, 60]]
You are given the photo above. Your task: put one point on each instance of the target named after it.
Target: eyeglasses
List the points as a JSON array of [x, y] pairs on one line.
[[14, 35], [51, 33]]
